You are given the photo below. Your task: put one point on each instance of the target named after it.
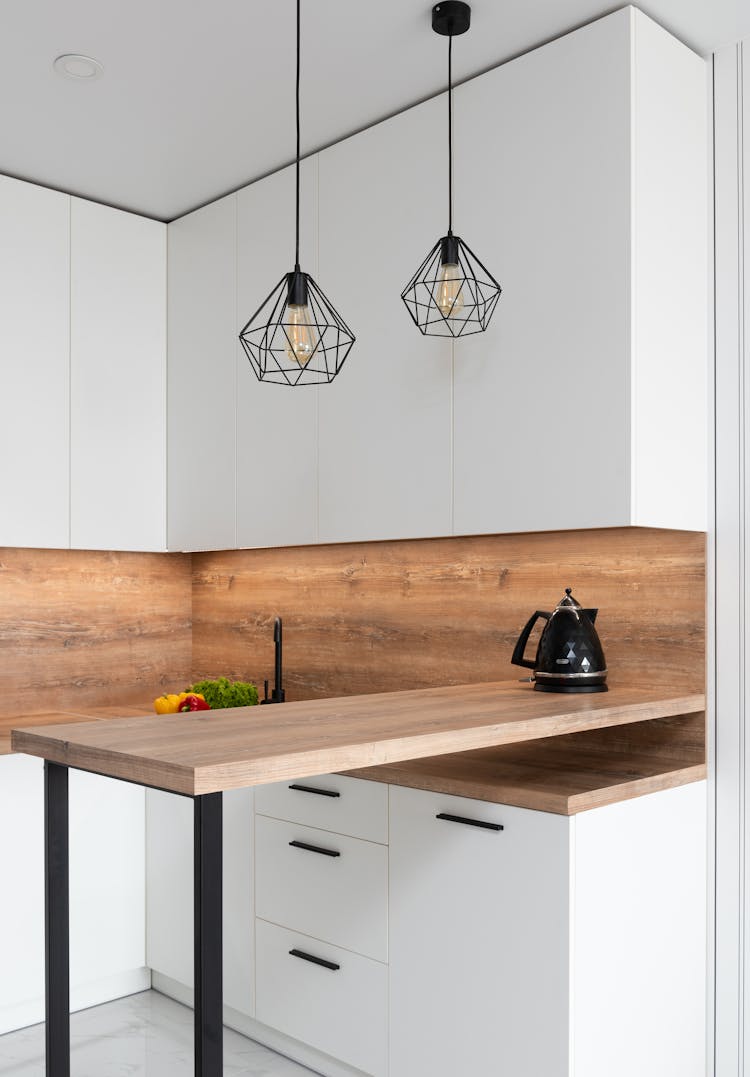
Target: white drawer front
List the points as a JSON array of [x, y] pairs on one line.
[[342, 899], [331, 802], [342, 1012]]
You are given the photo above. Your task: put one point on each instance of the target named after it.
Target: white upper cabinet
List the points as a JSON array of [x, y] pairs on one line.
[[118, 380], [277, 425], [34, 370], [385, 422], [580, 178], [580, 182], [669, 280], [202, 373]]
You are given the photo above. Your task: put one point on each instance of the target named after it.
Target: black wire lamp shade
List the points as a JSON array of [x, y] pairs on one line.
[[452, 294], [296, 336]]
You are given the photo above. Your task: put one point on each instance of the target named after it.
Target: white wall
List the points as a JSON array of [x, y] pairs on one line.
[[730, 551]]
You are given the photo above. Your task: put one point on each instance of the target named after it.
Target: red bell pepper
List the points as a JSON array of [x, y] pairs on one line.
[[194, 703]]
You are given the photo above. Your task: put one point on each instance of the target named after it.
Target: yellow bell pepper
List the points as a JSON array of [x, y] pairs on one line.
[[167, 704], [170, 703]]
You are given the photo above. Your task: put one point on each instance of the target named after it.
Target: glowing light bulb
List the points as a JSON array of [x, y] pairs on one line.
[[302, 337], [448, 294]]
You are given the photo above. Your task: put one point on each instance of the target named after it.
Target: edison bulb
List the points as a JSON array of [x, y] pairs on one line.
[[301, 334], [448, 294]]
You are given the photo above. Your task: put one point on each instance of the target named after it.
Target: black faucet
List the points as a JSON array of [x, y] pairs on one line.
[[278, 694]]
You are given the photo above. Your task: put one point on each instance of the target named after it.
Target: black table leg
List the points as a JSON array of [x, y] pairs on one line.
[[57, 921], [209, 1026]]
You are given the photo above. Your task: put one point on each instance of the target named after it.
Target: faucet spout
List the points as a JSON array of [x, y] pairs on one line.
[[278, 695], [278, 690]]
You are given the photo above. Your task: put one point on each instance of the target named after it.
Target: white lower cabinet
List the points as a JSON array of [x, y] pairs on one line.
[[326, 885], [321, 886], [330, 998], [107, 889], [331, 802], [556, 947], [169, 866], [470, 939], [479, 938]]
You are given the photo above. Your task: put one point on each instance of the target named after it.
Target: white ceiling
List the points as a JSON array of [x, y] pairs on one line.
[[197, 97]]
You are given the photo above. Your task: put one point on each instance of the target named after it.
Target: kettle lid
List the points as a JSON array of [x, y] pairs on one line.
[[568, 602]]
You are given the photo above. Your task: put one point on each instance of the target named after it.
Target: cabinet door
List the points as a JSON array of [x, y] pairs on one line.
[[202, 377], [22, 892], [326, 997], [328, 886], [107, 890], [639, 965], [479, 926], [670, 271], [34, 372], [277, 426], [542, 187], [385, 422], [118, 380], [107, 887], [169, 873]]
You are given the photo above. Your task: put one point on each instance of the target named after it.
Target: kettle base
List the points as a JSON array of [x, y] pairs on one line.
[[569, 689]]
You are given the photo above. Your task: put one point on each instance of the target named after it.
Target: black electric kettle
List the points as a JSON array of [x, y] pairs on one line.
[[569, 657]]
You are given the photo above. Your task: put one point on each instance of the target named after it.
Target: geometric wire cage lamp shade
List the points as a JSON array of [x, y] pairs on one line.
[[297, 337], [452, 294]]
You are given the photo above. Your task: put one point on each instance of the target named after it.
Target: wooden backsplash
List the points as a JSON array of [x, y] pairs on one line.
[[375, 617], [82, 628]]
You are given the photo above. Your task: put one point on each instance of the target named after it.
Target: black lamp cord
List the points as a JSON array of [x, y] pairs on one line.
[[296, 249], [450, 134]]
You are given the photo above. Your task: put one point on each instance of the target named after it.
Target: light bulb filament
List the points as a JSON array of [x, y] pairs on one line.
[[301, 334], [448, 295]]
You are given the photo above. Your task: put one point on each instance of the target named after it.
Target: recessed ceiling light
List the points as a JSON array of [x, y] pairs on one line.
[[74, 66]]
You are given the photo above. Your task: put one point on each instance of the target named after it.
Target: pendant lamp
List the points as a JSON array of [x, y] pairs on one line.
[[452, 294], [297, 337]]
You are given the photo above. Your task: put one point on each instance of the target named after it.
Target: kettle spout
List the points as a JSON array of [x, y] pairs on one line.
[[591, 614]]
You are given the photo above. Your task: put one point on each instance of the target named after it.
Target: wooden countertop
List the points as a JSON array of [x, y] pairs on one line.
[[65, 717], [211, 751], [567, 774]]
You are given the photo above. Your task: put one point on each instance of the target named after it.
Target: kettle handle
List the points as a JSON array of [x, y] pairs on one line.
[[518, 658]]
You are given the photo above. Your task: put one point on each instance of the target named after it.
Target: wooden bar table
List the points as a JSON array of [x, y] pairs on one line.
[[201, 754]]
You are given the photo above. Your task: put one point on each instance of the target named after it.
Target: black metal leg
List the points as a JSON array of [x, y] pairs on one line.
[[209, 1030], [57, 921]]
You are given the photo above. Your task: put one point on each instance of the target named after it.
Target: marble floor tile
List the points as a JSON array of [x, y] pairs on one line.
[[145, 1035]]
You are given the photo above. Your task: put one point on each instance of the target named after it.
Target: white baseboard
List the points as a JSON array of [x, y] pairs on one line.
[[254, 1030], [82, 997]]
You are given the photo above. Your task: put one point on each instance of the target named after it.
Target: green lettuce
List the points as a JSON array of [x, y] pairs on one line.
[[223, 693]]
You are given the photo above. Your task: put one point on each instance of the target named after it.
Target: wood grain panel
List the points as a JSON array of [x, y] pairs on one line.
[[565, 774], [207, 751], [110, 712], [79, 629], [374, 617]]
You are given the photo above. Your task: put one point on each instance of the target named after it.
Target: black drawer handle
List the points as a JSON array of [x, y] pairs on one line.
[[314, 848], [470, 822], [319, 792], [315, 960]]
